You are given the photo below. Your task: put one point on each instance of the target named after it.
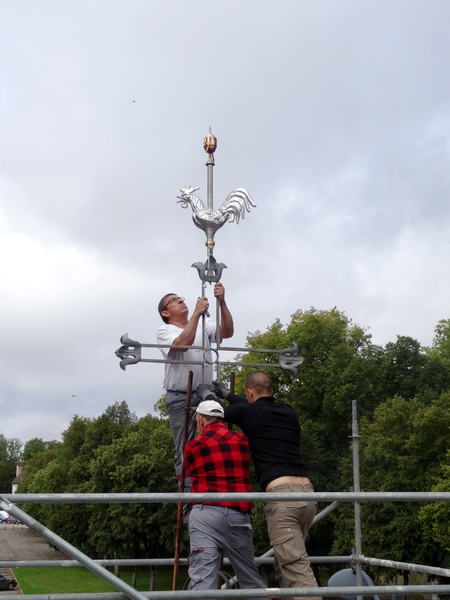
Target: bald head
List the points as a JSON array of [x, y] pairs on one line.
[[257, 385]]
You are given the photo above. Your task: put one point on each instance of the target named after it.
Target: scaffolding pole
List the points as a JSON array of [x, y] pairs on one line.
[[156, 497]]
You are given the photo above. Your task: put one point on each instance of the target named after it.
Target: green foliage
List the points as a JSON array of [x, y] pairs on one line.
[[410, 371], [37, 462], [435, 517], [403, 385], [441, 340], [339, 365], [31, 447], [403, 394], [403, 448], [9, 458], [114, 453], [160, 407], [137, 462]]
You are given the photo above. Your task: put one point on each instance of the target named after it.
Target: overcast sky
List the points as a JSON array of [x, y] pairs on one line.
[[334, 115]]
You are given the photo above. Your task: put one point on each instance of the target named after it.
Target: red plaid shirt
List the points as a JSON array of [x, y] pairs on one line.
[[218, 460]]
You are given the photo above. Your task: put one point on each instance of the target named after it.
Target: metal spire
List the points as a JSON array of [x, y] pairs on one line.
[[236, 204], [210, 146]]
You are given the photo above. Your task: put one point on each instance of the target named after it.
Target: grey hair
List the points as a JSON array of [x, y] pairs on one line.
[[210, 418]]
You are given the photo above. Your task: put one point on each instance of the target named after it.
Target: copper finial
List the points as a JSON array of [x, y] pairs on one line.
[[210, 143]]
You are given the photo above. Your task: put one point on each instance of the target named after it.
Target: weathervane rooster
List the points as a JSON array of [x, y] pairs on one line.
[[237, 203], [234, 207]]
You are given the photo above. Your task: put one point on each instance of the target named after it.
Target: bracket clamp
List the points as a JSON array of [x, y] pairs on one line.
[[211, 270]]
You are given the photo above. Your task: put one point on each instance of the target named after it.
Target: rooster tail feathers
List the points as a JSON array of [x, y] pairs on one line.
[[235, 205]]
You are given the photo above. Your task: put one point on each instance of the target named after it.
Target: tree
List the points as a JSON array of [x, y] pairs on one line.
[[37, 462], [340, 365], [114, 453], [31, 447], [441, 340], [402, 449], [140, 461], [404, 405], [9, 458], [411, 371], [69, 472], [434, 518]]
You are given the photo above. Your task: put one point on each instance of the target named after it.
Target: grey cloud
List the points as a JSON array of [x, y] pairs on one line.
[[335, 116]]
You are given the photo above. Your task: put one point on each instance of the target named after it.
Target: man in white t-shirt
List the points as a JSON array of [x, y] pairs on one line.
[[180, 330]]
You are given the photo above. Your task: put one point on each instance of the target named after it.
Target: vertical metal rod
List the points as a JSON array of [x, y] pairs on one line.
[[187, 418], [209, 179], [204, 337], [210, 201], [218, 337], [356, 488]]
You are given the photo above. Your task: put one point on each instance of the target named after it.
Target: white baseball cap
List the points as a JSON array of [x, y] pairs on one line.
[[210, 408]]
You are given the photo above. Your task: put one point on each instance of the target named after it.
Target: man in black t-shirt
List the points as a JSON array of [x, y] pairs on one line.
[[273, 432]]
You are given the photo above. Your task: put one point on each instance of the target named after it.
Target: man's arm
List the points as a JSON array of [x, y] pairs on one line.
[[226, 320], [187, 336], [221, 391], [234, 413], [235, 399]]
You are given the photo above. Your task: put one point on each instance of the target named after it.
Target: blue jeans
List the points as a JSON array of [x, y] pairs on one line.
[[216, 529]]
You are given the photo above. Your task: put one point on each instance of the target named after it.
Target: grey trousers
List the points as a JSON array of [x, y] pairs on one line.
[[288, 524], [213, 529], [176, 404]]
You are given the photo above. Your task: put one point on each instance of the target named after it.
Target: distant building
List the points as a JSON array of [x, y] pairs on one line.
[[20, 474]]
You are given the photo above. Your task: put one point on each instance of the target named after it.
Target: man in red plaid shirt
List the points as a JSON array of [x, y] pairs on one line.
[[218, 460]]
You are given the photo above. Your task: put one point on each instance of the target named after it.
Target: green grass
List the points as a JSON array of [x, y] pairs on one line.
[[67, 580]]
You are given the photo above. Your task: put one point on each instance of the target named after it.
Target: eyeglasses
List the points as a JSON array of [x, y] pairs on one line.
[[174, 299]]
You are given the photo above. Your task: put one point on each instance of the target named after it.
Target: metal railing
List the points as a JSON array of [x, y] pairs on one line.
[[8, 502]]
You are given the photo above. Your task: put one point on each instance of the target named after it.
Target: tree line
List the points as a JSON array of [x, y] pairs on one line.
[[403, 395]]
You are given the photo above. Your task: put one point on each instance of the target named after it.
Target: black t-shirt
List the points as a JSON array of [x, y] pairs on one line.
[[273, 433]]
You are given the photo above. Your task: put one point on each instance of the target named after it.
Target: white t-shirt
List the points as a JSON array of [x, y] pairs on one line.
[[176, 374]]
